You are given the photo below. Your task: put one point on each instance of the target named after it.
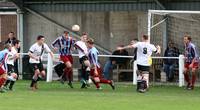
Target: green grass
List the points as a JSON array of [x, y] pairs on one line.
[[54, 96]]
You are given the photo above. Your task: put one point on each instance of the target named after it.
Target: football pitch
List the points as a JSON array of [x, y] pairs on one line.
[[55, 96]]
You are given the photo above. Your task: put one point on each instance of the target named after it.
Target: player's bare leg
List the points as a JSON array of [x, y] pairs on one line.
[[69, 73], [187, 78], [2, 81], [194, 70], [34, 80]]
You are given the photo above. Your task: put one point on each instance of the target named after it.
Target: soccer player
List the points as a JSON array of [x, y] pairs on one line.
[[83, 59], [144, 52], [191, 62], [12, 56], [64, 45], [35, 52], [3, 66], [96, 72]]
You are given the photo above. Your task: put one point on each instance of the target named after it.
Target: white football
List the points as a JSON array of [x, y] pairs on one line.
[[76, 27]]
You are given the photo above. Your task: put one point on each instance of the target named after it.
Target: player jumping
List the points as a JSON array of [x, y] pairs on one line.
[[191, 62], [144, 52], [83, 59], [64, 44], [96, 72]]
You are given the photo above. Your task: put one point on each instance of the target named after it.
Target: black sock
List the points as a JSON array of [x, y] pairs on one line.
[[87, 75], [11, 84], [7, 82], [33, 82]]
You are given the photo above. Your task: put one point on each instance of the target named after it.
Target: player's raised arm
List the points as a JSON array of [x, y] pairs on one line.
[[48, 50], [55, 44]]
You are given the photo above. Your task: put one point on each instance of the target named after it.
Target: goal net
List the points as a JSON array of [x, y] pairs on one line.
[[170, 26]]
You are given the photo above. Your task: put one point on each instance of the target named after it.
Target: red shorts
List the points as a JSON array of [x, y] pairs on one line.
[[66, 58], [99, 70], [2, 71], [195, 65]]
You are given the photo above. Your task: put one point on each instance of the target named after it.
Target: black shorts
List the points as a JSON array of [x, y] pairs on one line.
[[11, 69], [35, 66], [82, 59], [143, 68]]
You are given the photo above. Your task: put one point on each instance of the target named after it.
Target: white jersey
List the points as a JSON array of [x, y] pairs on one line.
[[36, 50], [144, 52], [82, 48], [11, 56]]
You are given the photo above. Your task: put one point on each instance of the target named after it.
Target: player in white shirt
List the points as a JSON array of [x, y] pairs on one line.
[[13, 55], [35, 52], [83, 59], [144, 61]]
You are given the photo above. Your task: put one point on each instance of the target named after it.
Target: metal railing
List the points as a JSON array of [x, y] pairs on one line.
[[180, 63]]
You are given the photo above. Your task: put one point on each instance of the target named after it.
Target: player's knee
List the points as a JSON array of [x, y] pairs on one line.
[[146, 76], [185, 71], [4, 76], [14, 75], [37, 72], [43, 73], [194, 70], [68, 65], [87, 63]]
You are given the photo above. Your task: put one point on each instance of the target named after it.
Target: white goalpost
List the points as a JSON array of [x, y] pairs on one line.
[[171, 25]]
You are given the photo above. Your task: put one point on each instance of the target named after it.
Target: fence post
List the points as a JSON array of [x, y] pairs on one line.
[[134, 73], [49, 68], [181, 70]]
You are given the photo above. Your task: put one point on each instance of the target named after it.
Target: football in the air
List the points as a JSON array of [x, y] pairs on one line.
[[75, 27]]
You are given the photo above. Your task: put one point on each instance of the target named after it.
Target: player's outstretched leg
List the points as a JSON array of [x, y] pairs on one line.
[[110, 82], [2, 81]]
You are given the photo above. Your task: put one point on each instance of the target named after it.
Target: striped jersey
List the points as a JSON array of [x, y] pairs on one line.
[[3, 58], [191, 53], [93, 56], [64, 45]]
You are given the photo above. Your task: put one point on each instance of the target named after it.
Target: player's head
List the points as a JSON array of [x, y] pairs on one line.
[[134, 41], [145, 38], [170, 44], [84, 37], [16, 43], [119, 47], [40, 39], [66, 33], [10, 35], [187, 39], [90, 43], [8, 46]]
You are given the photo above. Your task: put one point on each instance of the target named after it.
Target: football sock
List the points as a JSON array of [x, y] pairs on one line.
[[193, 79], [187, 79], [2, 80], [105, 81]]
